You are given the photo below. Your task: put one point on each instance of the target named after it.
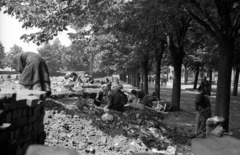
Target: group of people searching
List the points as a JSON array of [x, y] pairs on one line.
[[35, 76], [113, 97]]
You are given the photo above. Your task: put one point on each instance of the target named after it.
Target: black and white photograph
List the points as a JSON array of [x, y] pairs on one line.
[[119, 77]]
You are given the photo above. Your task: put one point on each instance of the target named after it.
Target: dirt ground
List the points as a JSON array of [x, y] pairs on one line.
[[62, 117], [68, 124], [186, 117]]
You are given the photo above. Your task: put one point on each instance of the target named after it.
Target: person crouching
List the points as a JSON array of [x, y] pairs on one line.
[[116, 99]]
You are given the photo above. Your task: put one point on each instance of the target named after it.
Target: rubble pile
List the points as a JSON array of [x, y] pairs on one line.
[[89, 130]]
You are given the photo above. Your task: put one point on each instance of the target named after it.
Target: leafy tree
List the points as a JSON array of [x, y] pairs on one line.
[[221, 20], [9, 55], [52, 54], [236, 67], [2, 56], [177, 54]]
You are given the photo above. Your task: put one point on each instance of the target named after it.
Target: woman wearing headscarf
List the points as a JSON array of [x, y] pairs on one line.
[[34, 72]]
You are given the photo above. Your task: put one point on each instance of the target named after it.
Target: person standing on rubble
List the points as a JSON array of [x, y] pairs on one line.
[[203, 112], [34, 72]]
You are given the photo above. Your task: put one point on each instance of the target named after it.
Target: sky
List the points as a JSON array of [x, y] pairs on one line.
[[11, 30]]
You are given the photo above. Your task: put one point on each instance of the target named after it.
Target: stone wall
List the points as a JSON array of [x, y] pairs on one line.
[[21, 120]]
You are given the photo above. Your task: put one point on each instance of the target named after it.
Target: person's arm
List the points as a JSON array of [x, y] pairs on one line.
[[109, 100]]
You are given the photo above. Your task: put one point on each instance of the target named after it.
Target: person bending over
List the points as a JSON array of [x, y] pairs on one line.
[[116, 99], [34, 72], [142, 98]]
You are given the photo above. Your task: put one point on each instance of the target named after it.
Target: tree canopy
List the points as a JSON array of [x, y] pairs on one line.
[[2, 56]]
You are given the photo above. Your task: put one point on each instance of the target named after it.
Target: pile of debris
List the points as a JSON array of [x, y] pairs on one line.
[[79, 125]]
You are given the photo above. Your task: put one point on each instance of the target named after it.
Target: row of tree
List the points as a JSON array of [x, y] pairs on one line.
[[6, 58], [136, 36], [57, 56]]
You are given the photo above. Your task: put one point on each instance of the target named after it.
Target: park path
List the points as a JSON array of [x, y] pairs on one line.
[[185, 119]]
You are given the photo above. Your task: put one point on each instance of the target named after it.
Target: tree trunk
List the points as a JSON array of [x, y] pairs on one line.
[[235, 84], [210, 79], [129, 79], [134, 79], [176, 91], [142, 80], [157, 79], [186, 75], [138, 79], [158, 59], [226, 46], [124, 78], [196, 78], [177, 55], [145, 77]]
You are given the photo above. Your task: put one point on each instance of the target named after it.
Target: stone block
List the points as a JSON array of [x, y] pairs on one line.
[[19, 122], [8, 117], [40, 94], [41, 118], [216, 146], [29, 111], [44, 150], [32, 119], [32, 101], [19, 151], [23, 121], [15, 114], [41, 138], [36, 109], [25, 146], [25, 129], [9, 106], [21, 102], [20, 111], [40, 130], [7, 96], [27, 137], [24, 113], [2, 117], [16, 133], [35, 126], [3, 137], [30, 128], [11, 135]]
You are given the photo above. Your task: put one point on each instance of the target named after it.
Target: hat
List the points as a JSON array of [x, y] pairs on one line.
[[86, 75]]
